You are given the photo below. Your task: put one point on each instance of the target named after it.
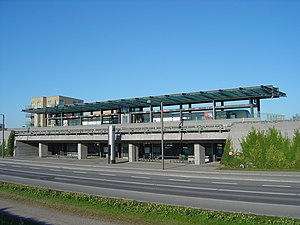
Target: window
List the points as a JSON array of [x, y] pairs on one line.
[[39, 104]]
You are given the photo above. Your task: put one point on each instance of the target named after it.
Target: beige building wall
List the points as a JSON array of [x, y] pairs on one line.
[[39, 120]]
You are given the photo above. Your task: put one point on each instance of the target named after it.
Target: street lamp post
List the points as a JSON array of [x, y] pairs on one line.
[[162, 135], [162, 130], [2, 135]]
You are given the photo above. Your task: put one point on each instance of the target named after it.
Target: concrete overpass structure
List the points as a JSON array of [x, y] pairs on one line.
[[137, 142], [196, 125]]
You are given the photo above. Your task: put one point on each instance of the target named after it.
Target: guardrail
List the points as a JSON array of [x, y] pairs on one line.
[[137, 128], [124, 130]]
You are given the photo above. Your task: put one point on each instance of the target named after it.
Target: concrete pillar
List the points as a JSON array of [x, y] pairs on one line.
[[258, 107], [199, 154], [213, 151], [82, 151], [136, 152], [43, 150], [133, 153], [111, 144]]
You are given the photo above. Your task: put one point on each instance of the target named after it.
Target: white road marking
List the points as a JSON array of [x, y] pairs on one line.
[[259, 192], [224, 183], [179, 180], [56, 170], [158, 185], [107, 174], [79, 172], [138, 177], [198, 174], [279, 186], [15, 166], [35, 168]]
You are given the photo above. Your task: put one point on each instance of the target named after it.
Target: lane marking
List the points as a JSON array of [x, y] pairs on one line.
[[35, 168], [138, 177], [179, 180], [79, 172], [107, 174], [15, 166], [198, 174], [279, 186], [224, 183], [50, 163], [157, 185], [56, 170], [258, 192]]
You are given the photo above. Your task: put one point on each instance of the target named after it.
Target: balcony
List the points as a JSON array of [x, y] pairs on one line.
[[29, 115]]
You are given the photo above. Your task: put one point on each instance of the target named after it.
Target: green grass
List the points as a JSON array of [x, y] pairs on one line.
[[128, 211], [259, 169]]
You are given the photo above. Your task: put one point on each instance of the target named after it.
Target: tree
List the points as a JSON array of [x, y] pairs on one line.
[[1, 146], [10, 144]]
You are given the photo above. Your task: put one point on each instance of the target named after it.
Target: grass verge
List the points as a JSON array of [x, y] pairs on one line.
[[259, 169], [128, 211]]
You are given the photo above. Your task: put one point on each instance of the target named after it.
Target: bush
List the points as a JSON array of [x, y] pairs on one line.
[[229, 157], [266, 150]]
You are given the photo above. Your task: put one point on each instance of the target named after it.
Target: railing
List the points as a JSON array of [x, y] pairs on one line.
[[271, 117], [152, 128]]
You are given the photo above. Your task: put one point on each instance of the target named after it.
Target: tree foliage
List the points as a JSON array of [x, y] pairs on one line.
[[10, 144], [1, 146], [266, 150]]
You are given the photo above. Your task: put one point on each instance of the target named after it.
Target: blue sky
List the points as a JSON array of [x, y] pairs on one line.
[[103, 50]]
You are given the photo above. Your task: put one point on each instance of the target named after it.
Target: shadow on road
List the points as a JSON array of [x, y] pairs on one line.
[[6, 218]]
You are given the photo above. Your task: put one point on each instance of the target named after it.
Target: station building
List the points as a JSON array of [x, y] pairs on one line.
[[39, 120], [194, 125]]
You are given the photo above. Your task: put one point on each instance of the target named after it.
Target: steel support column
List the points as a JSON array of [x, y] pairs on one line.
[[214, 110], [251, 107]]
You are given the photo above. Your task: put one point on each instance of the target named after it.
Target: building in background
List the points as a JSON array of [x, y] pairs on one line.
[[40, 120]]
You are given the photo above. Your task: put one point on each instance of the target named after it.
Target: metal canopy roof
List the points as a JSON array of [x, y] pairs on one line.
[[235, 94]]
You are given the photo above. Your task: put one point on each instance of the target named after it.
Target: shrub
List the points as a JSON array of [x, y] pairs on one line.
[[266, 150], [229, 157]]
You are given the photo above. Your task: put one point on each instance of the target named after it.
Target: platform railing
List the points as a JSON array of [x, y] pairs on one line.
[[145, 128]]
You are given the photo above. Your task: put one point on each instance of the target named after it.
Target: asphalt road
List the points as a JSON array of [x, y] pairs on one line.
[[259, 193]]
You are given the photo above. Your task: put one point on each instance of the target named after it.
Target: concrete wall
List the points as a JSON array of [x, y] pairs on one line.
[[23, 149], [6, 135], [240, 130]]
